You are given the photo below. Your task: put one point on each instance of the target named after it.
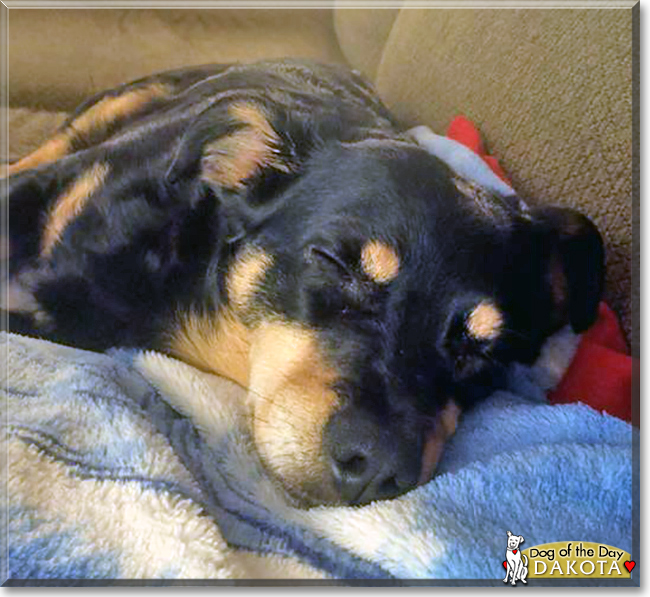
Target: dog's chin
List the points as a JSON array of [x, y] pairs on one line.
[[308, 496], [306, 500], [313, 495], [322, 493], [304, 493]]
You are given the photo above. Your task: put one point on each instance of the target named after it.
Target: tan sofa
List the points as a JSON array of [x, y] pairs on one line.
[[550, 89]]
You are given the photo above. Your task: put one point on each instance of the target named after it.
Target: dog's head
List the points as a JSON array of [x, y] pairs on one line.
[[514, 540], [372, 294]]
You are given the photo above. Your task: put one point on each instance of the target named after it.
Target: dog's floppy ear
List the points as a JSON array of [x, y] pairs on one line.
[[252, 147], [237, 152], [577, 265], [230, 145]]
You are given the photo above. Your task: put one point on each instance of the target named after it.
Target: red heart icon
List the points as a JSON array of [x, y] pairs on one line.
[[514, 551], [505, 564], [630, 565]]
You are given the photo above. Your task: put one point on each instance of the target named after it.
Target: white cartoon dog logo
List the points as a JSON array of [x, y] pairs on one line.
[[516, 569]]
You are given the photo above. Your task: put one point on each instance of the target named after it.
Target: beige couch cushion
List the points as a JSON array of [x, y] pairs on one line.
[[362, 35], [59, 57], [551, 91]]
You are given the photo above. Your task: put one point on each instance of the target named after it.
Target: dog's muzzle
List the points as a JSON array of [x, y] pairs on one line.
[[370, 459]]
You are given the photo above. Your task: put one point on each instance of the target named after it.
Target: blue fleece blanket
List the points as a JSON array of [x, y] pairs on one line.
[[133, 465]]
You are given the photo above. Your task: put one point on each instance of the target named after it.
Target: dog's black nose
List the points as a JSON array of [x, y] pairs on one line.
[[369, 461]]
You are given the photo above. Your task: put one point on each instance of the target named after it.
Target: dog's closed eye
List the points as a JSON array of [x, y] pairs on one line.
[[335, 287], [328, 257]]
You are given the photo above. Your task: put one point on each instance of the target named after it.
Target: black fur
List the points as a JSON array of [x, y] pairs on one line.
[[158, 238]]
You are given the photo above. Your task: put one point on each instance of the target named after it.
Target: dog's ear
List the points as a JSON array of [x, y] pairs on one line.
[[521, 539], [509, 534], [229, 146], [576, 269], [238, 153]]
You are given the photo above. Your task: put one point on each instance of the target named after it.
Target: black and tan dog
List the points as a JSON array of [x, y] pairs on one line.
[[272, 223]]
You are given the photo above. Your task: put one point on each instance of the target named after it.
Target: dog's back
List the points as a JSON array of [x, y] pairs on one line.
[[123, 269]]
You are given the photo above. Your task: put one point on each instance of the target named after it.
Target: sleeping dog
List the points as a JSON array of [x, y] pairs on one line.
[[274, 224]]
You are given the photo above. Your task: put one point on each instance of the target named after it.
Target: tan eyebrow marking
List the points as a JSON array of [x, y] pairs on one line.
[[485, 321], [379, 261], [70, 204]]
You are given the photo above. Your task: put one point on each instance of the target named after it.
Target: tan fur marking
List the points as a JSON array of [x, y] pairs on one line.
[[379, 261], [110, 109], [97, 117], [50, 151], [434, 443], [485, 321], [291, 400], [216, 343], [69, 205], [230, 161], [289, 395], [449, 418], [245, 276]]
